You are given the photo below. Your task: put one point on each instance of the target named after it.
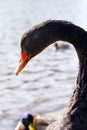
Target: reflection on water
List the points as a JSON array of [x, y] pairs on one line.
[[47, 82]]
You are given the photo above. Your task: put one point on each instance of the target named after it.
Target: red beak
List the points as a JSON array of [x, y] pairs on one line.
[[23, 60]]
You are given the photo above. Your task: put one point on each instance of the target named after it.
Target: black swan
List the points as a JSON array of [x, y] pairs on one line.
[[37, 39]]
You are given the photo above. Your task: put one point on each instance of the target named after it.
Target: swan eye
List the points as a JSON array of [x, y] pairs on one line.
[[26, 40], [25, 44]]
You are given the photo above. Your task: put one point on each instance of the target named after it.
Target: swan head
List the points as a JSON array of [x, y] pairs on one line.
[[39, 37], [32, 43]]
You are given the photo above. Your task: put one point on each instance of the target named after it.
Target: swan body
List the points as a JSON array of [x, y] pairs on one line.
[[41, 36]]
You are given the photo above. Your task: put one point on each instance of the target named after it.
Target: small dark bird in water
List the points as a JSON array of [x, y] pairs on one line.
[[41, 36], [30, 122], [61, 46], [26, 123]]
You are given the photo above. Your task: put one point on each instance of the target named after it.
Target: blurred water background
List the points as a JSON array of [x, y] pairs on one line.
[[47, 82]]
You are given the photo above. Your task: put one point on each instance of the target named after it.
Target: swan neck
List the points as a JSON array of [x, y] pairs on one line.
[[66, 31]]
